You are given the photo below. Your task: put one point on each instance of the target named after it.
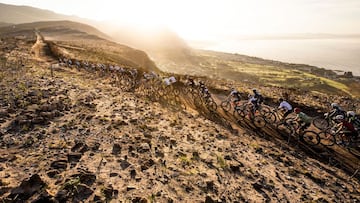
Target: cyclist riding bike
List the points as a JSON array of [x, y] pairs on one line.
[[336, 110], [204, 90], [235, 95], [256, 100], [345, 127], [191, 82], [303, 119], [351, 116], [286, 107]]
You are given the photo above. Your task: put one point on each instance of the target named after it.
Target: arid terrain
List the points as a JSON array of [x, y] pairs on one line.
[[70, 135]]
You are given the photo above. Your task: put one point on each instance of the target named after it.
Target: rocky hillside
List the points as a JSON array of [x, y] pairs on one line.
[[67, 135]]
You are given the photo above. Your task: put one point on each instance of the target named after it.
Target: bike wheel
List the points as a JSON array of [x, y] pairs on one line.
[[270, 117], [326, 138], [310, 137], [225, 105], [212, 105], [259, 121], [320, 123]]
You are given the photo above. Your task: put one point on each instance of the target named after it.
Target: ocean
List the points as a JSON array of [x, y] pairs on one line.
[[342, 54]]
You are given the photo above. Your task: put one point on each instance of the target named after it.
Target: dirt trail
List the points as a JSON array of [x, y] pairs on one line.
[[41, 49]]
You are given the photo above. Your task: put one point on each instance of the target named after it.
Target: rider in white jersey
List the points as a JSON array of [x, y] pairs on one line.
[[285, 106]]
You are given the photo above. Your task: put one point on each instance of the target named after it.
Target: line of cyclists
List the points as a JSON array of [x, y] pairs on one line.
[[345, 122]]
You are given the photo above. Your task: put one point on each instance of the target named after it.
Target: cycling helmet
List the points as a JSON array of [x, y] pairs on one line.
[[339, 117], [350, 113], [297, 110], [334, 105]]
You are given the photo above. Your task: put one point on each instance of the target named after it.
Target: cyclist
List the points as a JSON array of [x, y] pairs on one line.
[[191, 82], [204, 90], [303, 119], [353, 119], [336, 110], [345, 127], [286, 107], [235, 95], [256, 99]]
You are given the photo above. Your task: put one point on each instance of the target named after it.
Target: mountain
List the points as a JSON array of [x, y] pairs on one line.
[[77, 40], [26, 14]]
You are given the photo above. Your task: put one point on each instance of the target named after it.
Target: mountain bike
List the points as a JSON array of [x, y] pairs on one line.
[[291, 128], [323, 122], [332, 136]]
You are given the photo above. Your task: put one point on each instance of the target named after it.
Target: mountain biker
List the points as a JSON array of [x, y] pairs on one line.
[[346, 127], [191, 82], [204, 90], [351, 116], [336, 110], [303, 119], [235, 95], [286, 107], [256, 99]]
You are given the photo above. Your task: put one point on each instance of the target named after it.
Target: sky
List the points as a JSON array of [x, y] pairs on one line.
[[208, 19]]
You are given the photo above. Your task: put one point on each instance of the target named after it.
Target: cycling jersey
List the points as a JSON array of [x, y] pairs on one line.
[[304, 118], [285, 105]]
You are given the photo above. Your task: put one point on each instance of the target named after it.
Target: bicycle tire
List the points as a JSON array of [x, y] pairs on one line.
[[225, 105], [211, 105], [327, 139], [259, 121], [320, 123], [310, 137]]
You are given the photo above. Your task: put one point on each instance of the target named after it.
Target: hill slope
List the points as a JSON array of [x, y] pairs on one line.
[[26, 14], [83, 42], [70, 135]]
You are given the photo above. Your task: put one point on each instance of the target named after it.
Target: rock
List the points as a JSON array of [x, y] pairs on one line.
[[27, 188], [74, 157], [109, 192], [139, 200], [116, 149], [124, 164], [208, 199], [130, 187], [59, 164], [52, 173], [87, 178], [144, 147], [81, 192], [147, 164], [132, 173]]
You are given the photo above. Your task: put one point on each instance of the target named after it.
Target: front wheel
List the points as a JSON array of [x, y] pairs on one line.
[[321, 123], [327, 139], [310, 137], [225, 105]]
